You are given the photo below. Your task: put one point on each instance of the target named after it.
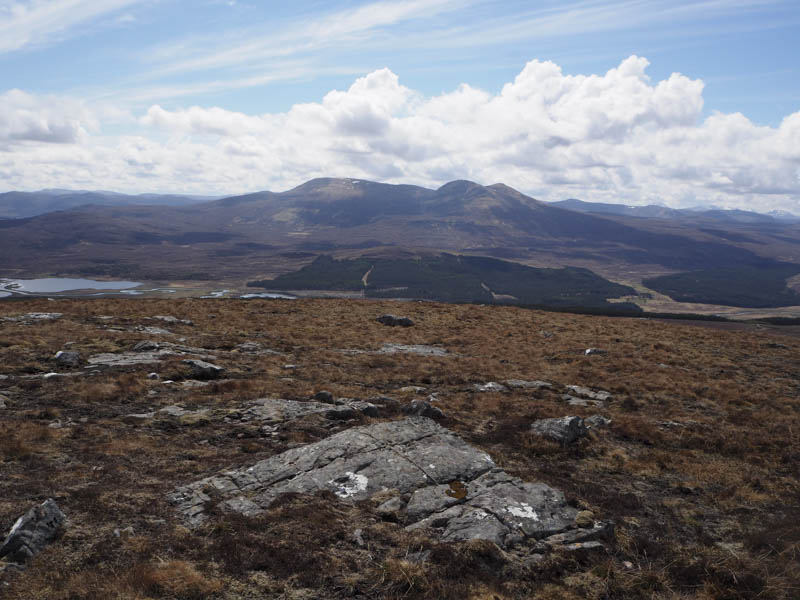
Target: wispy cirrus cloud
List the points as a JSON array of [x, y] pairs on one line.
[[251, 48], [26, 23]]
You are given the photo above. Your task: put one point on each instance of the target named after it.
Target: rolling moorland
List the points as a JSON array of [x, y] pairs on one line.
[[684, 485], [730, 258]]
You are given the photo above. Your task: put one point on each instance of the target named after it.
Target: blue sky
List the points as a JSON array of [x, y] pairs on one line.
[[216, 96]]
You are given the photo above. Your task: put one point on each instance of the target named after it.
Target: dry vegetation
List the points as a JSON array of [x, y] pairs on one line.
[[700, 468]]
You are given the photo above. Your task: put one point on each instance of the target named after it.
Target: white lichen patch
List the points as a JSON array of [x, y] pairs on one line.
[[523, 511], [349, 484]]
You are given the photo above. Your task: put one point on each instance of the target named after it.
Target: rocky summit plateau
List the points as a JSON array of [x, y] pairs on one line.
[[329, 448]]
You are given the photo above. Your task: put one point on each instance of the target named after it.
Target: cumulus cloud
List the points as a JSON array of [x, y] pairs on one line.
[[50, 119], [616, 137]]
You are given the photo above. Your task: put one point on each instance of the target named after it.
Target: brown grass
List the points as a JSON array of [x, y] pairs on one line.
[[700, 467]]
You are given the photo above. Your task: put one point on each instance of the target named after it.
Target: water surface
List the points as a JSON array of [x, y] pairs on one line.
[[63, 284]]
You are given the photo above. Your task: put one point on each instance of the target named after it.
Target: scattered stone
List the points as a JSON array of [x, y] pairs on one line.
[[395, 321], [68, 359], [412, 349], [591, 351], [455, 490], [289, 367], [421, 408], [564, 430], [492, 386], [202, 369], [33, 531], [527, 385], [597, 421], [589, 393]]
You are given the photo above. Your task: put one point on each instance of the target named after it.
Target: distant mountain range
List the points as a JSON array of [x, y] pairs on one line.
[[664, 212], [16, 205], [266, 234]]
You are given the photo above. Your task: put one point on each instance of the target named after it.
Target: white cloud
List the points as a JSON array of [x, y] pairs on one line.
[[617, 137], [28, 118], [34, 22]]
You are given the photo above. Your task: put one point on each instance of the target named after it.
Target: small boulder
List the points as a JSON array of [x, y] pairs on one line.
[[395, 321], [68, 359], [33, 531], [324, 396], [422, 408], [203, 370], [564, 430]]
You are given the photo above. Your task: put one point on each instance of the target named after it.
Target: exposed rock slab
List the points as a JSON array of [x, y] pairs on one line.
[[145, 353], [33, 317], [277, 410], [33, 531], [455, 489]]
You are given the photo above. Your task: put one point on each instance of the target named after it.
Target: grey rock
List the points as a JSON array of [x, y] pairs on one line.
[[600, 530], [68, 359], [33, 531], [589, 393], [364, 407], [412, 349], [584, 547], [527, 385], [422, 408], [153, 376], [202, 369], [564, 430], [597, 421], [491, 386], [395, 321], [455, 490]]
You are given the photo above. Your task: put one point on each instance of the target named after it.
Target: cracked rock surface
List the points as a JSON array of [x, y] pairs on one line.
[[441, 483]]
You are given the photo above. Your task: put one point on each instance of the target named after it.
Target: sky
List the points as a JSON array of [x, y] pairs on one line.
[[679, 103]]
